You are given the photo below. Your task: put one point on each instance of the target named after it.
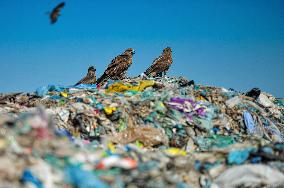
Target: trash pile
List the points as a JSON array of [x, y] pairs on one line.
[[162, 132]]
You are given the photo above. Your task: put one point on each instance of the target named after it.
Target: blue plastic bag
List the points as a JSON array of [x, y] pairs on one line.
[[239, 156], [29, 177], [249, 122], [42, 91], [83, 179], [86, 86]]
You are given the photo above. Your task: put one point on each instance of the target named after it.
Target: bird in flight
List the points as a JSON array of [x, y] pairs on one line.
[[118, 67], [90, 78], [161, 64], [56, 12]]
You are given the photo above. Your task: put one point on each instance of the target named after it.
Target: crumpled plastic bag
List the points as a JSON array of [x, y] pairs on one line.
[[264, 100], [86, 86], [82, 178], [43, 91], [120, 87], [250, 176], [249, 122], [216, 141], [239, 156]]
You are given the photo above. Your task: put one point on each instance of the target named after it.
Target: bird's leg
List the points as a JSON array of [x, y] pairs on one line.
[[165, 73], [160, 74], [123, 76]]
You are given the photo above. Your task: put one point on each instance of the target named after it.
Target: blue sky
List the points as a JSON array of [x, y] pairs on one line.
[[237, 44]]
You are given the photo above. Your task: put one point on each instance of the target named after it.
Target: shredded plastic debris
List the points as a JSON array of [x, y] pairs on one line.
[[163, 132]]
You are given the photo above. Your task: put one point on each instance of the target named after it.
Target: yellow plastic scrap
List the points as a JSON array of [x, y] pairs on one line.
[[111, 147], [64, 94], [200, 98], [144, 84], [75, 133], [109, 110], [120, 87], [175, 151]]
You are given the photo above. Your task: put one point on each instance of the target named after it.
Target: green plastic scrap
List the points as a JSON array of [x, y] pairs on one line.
[[169, 132], [146, 95], [55, 161], [219, 141], [114, 171], [160, 107], [122, 125]]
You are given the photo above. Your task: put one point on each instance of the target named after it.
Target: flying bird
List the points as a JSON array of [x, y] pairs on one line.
[[56, 12], [161, 64], [117, 69], [90, 78]]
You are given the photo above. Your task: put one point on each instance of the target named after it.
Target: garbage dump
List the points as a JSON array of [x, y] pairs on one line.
[[162, 132]]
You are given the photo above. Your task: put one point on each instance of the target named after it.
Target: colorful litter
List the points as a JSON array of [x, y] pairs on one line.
[[164, 132]]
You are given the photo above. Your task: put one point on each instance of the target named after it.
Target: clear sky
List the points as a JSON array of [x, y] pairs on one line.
[[237, 44]]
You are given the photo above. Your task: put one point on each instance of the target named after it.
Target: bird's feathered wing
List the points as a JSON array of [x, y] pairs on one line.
[[59, 6], [55, 12], [116, 68], [161, 64], [156, 67], [87, 80]]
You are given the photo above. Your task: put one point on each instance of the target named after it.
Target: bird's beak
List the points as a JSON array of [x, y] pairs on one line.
[[133, 52]]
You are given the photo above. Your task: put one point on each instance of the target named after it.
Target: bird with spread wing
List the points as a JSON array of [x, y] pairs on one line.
[[55, 13], [118, 67], [90, 78], [161, 64]]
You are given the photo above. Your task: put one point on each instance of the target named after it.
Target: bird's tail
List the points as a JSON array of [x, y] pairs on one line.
[[148, 71], [102, 78]]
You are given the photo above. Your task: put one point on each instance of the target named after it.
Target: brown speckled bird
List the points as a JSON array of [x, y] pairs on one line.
[[90, 78], [161, 64], [118, 67], [56, 12]]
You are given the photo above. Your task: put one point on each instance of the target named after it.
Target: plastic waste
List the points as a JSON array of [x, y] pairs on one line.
[[175, 152], [28, 177], [80, 178], [64, 94], [148, 136], [86, 86], [233, 102], [109, 110], [216, 141], [170, 134], [42, 91], [250, 175], [116, 161], [239, 156], [254, 93], [183, 82], [265, 101], [249, 122], [120, 87]]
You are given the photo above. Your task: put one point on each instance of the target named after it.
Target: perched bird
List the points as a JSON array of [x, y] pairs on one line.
[[90, 78], [118, 67], [56, 12], [254, 93], [161, 64]]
